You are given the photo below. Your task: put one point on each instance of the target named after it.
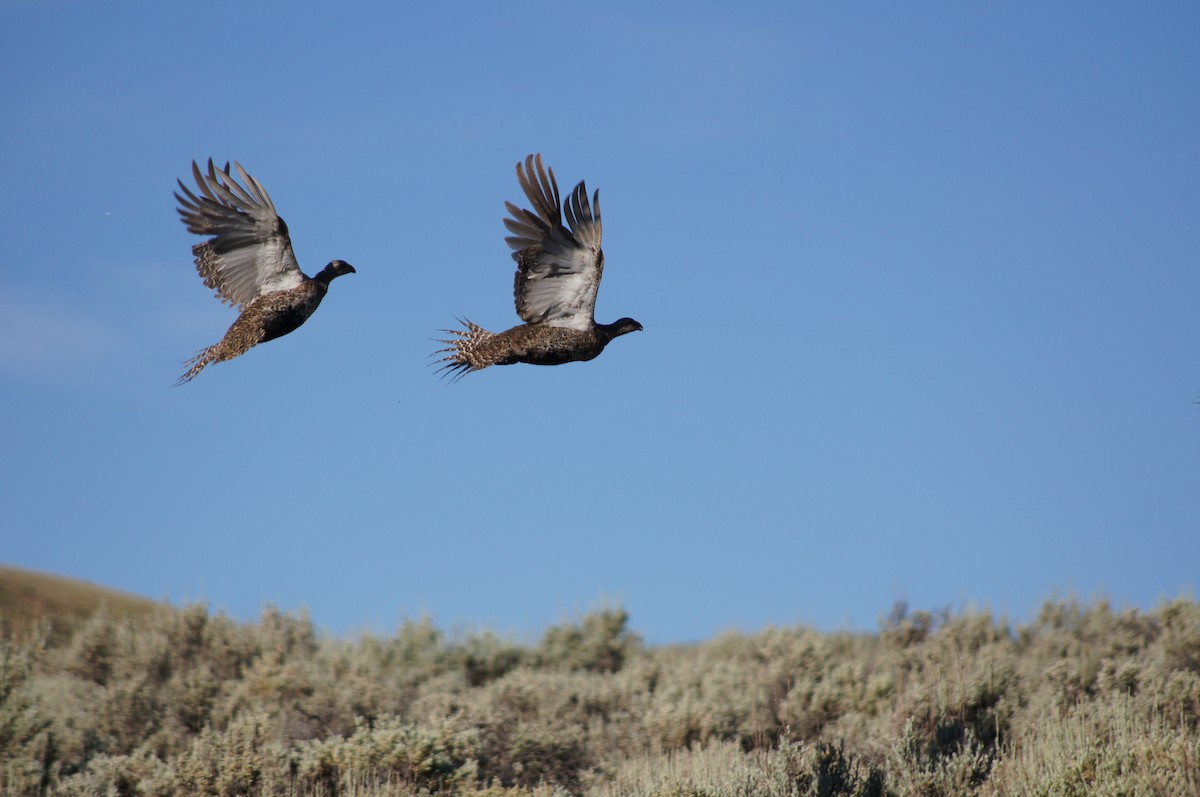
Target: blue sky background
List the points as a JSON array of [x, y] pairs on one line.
[[919, 284]]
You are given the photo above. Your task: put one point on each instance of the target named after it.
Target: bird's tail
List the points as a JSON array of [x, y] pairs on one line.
[[462, 352], [197, 363]]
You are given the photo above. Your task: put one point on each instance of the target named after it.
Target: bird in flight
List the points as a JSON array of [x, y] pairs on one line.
[[558, 274], [248, 261]]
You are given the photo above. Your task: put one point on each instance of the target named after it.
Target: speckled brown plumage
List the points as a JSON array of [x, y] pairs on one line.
[[537, 344], [248, 262], [270, 316], [558, 275]]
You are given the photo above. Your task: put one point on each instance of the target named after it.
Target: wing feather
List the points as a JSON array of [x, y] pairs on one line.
[[249, 252], [558, 267]]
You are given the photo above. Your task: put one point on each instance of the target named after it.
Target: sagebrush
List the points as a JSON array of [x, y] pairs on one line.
[[1082, 700]]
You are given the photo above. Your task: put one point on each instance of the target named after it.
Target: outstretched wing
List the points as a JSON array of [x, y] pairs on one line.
[[250, 252], [558, 268]]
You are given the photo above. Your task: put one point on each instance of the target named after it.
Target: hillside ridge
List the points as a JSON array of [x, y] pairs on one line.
[[31, 596]]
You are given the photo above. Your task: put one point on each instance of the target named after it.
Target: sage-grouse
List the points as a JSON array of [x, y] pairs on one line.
[[249, 262], [558, 274]]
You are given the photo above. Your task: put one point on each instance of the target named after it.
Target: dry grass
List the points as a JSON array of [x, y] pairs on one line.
[[28, 597]]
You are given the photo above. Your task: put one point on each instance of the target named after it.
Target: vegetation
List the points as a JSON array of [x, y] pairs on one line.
[[1082, 700], [27, 598]]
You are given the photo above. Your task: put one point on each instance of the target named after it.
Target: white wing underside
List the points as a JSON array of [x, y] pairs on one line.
[[247, 273], [559, 291], [558, 268], [249, 252]]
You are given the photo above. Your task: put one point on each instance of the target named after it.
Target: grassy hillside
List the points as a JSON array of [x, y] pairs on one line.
[[28, 597], [1082, 700]]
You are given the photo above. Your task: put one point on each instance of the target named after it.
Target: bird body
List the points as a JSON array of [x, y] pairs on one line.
[[555, 286], [248, 262], [269, 316], [535, 344]]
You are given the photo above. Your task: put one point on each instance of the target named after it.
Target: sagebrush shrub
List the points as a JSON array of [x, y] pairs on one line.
[[1081, 700]]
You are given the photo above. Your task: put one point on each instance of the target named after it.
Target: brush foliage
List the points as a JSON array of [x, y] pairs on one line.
[[1082, 700]]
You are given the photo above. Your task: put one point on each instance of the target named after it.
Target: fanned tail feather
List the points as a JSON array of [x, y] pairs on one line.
[[196, 364], [461, 360]]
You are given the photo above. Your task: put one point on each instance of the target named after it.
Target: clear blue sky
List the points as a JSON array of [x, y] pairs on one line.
[[920, 286]]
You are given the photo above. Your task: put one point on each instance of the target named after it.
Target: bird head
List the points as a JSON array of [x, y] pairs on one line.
[[621, 326], [336, 268]]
